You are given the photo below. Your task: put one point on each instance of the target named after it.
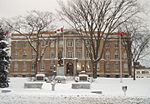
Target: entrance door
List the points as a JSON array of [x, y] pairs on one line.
[[69, 68]]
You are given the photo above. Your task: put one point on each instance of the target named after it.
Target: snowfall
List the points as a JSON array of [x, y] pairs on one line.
[[138, 92]]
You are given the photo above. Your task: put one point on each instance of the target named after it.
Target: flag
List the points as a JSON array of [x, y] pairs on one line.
[[121, 33], [59, 30], [6, 32]]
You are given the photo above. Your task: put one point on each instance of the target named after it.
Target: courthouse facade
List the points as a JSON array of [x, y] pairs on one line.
[[76, 58]]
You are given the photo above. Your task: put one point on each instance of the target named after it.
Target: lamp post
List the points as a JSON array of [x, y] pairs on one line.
[[120, 51]]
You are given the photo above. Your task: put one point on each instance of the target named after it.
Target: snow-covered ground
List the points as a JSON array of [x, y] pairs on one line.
[[138, 92]]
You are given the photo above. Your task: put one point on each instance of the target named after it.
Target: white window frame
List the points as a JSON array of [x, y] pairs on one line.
[[69, 54], [107, 66], [79, 54], [69, 43], [16, 66], [78, 43], [24, 66]]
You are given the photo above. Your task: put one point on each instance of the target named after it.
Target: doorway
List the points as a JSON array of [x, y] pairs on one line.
[[70, 68]]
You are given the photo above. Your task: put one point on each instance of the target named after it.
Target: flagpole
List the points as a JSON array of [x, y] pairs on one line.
[[63, 49], [120, 58]]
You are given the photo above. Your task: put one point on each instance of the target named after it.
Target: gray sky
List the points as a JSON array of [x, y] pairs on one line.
[[10, 8]]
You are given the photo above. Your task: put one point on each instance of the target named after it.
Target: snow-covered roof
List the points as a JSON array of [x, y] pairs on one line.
[[37, 75]]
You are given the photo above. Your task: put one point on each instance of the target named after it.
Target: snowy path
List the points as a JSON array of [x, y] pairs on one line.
[[74, 99]]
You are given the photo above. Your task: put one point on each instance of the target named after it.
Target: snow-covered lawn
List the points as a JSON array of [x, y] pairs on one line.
[[138, 92]]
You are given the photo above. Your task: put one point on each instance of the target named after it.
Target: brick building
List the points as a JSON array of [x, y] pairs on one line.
[[76, 57]]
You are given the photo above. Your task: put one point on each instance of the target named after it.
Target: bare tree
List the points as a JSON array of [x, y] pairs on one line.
[[32, 27], [136, 42], [95, 20]]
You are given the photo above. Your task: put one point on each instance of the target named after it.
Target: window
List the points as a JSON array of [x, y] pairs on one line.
[[88, 66], [138, 72], [24, 66], [52, 43], [69, 43], [98, 66], [87, 55], [61, 42], [69, 54], [79, 54], [87, 43], [107, 66], [78, 43], [16, 44], [107, 55], [33, 67], [42, 66], [24, 55], [16, 55], [52, 54], [60, 54], [33, 55], [52, 68], [24, 44], [107, 44], [145, 72], [43, 43], [125, 55], [43, 54], [78, 66], [116, 44], [125, 65], [117, 66], [16, 66], [117, 55]]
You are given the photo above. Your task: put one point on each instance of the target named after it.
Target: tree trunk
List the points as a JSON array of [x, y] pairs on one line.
[[130, 67], [134, 72], [95, 70]]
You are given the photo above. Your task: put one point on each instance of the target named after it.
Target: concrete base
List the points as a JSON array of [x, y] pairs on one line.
[[60, 79], [5, 90], [33, 85], [97, 92], [81, 85]]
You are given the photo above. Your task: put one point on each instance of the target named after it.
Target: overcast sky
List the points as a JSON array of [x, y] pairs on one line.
[[10, 8]]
